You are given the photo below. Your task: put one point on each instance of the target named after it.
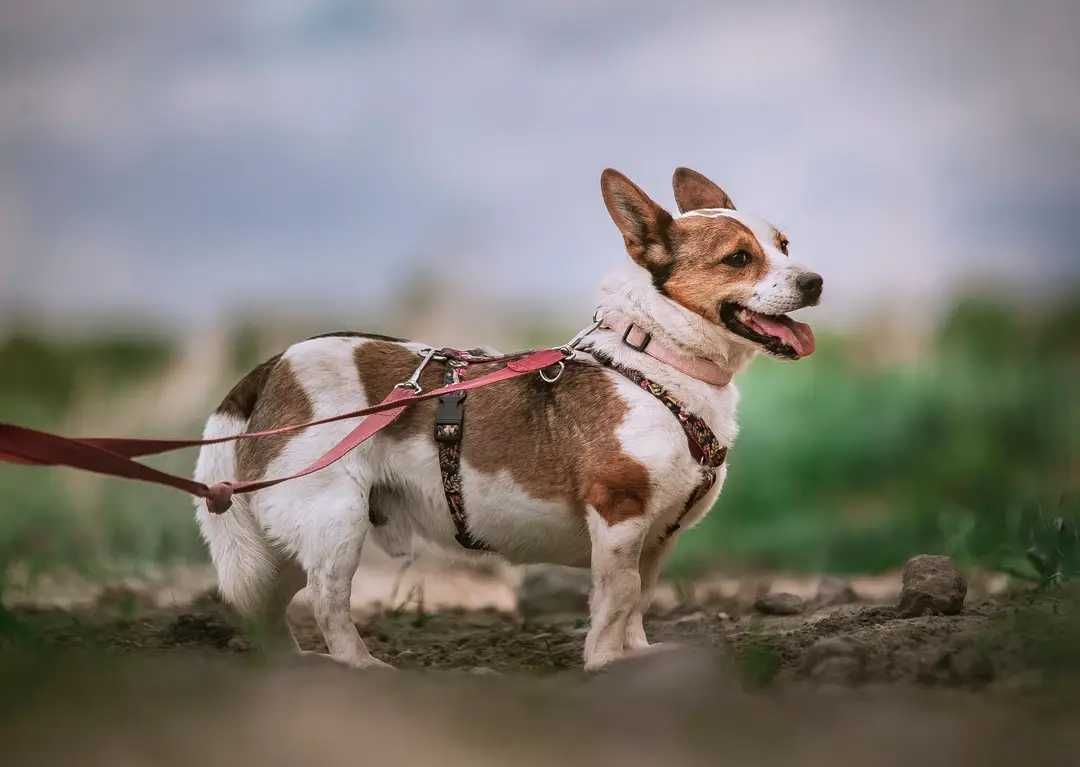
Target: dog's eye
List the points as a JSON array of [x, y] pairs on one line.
[[738, 259]]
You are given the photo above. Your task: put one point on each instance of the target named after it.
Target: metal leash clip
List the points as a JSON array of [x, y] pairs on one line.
[[413, 381], [570, 347]]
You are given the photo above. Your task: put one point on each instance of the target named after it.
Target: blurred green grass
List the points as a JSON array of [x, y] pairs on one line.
[[847, 465], [55, 519], [848, 461]]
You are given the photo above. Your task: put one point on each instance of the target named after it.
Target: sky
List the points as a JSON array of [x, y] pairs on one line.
[[181, 162]]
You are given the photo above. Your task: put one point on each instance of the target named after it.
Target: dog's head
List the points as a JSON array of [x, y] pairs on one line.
[[730, 268]]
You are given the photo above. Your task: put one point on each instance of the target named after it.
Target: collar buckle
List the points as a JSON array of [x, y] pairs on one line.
[[645, 340]]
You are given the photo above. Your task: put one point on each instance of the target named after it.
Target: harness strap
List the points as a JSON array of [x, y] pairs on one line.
[[113, 457], [449, 431], [704, 446]]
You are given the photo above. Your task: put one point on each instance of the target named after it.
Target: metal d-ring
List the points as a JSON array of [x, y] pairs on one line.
[[570, 347], [558, 374]]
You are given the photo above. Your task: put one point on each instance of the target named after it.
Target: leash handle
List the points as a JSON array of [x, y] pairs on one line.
[[113, 456]]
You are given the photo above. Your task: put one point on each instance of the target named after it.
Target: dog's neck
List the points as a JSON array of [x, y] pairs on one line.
[[630, 294]]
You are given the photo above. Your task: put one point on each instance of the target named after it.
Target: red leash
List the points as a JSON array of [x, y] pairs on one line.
[[113, 456]]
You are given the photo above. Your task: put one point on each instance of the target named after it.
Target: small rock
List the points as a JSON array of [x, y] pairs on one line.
[[238, 644], [833, 591], [779, 604], [931, 584], [549, 589], [835, 661]]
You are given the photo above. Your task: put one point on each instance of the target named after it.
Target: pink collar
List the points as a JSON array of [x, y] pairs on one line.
[[695, 367]]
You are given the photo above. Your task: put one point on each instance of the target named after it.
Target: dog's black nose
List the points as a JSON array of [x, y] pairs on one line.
[[809, 284]]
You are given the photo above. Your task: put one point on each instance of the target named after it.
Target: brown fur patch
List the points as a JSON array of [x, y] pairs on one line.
[[780, 241], [557, 441], [694, 191], [241, 399], [699, 280], [644, 225], [282, 401]]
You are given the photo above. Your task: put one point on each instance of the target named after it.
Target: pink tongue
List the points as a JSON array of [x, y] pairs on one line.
[[797, 335]]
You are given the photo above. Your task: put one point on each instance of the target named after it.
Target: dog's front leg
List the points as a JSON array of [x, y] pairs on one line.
[[616, 585], [652, 559]]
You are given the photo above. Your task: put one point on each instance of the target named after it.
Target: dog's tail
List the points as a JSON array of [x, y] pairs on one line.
[[245, 562]]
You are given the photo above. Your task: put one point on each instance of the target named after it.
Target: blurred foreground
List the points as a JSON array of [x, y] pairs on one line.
[[687, 712], [129, 683]]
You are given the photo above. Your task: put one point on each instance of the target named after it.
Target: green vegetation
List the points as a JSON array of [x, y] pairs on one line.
[[43, 377], [56, 518], [847, 465], [849, 461]]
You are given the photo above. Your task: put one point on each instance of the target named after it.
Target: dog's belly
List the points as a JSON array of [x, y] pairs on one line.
[[509, 520], [521, 527]]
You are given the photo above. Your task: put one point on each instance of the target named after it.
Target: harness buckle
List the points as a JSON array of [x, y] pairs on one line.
[[450, 413], [644, 341]]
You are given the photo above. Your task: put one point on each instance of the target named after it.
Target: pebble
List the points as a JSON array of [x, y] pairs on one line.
[[833, 591], [779, 604], [931, 584]]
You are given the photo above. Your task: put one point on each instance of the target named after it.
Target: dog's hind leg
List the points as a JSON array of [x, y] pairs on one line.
[[332, 554], [616, 591], [269, 623]]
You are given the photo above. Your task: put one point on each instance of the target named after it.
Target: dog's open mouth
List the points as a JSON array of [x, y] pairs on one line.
[[775, 333]]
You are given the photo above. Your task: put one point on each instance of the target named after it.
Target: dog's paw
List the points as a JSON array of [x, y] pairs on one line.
[[603, 662], [593, 665]]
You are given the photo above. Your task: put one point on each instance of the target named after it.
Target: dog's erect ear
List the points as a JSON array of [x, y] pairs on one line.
[[644, 224], [695, 192]]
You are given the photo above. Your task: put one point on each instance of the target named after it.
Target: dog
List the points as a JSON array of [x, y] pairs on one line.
[[593, 470]]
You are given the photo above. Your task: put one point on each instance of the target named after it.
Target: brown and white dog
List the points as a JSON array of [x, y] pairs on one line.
[[590, 471]]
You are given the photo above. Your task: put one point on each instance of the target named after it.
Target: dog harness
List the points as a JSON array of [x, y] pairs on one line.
[[705, 448], [449, 431]]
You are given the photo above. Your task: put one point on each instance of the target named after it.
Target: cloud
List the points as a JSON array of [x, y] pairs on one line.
[[904, 151]]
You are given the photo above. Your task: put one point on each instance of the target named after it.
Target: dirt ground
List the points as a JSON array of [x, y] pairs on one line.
[[995, 641], [134, 678]]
